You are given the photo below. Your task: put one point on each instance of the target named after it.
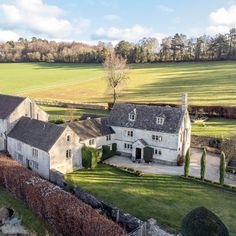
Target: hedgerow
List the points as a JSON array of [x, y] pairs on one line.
[[64, 212]]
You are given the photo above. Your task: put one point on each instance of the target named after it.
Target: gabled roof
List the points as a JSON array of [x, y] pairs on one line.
[[8, 104], [38, 134], [146, 117], [91, 128]]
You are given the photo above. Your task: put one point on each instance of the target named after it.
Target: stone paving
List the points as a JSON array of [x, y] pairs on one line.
[[212, 166]]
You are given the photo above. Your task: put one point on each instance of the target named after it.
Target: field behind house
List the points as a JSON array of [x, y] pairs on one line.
[[209, 83]]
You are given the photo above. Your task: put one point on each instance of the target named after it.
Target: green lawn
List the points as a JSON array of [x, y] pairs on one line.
[[215, 127], [211, 83], [165, 198], [56, 113], [29, 219]]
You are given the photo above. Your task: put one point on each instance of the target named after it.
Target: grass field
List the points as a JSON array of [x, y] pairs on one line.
[[165, 198], [212, 83], [29, 219], [215, 127]]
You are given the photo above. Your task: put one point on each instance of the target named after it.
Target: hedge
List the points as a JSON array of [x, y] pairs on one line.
[[107, 152], [148, 154], [90, 157], [64, 212]]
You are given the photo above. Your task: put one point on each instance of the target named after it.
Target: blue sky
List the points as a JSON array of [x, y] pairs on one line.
[[113, 20]]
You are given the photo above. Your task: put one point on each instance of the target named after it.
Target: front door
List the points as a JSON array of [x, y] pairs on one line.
[[138, 153]]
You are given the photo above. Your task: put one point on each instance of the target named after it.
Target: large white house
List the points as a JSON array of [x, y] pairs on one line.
[[165, 129], [94, 132], [43, 146], [12, 108]]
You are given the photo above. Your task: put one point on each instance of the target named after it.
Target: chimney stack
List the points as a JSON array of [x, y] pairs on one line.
[[184, 101]]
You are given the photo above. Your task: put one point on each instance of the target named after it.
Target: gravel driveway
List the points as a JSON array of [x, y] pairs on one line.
[[212, 166]]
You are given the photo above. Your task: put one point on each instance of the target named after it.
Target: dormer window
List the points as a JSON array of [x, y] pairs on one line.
[[131, 116], [160, 120]]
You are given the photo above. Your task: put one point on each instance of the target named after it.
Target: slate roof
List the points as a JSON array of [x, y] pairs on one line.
[[8, 104], [91, 128], [39, 134], [146, 117]]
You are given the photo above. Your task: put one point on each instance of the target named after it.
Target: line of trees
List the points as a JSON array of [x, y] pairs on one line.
[[147, 50]]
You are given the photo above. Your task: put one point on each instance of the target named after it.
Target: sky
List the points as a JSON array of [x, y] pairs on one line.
[[91, 21]]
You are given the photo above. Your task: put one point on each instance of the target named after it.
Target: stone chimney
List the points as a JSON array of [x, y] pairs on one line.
[[184, 101]]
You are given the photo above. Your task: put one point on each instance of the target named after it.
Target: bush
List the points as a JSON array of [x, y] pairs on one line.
[[222, 168], [107, 152], [215, 143], [187, 163], [202, 222], [57, 122], [203, 164], [90, 157], [64, 212], [148, 154]]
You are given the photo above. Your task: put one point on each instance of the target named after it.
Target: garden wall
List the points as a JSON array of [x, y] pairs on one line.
[[64, 212]]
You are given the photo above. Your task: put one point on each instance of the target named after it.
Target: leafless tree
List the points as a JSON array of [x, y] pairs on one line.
[[229, 148], [116, 74]]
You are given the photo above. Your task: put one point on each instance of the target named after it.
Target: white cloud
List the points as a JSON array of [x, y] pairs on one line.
[[36, 17], [132, 34], [8, 35], [222, 20], [111, 17], [165, 9]]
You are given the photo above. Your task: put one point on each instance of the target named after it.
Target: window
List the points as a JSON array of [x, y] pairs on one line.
[[19, 146], [157, 152], [128, 146], [91, 142], [157, 138], [68, 138], [68, 154], [132, 116], [20, 157], [160, 120], [34, 164], [35, 152], [108, 137], [130, 133]]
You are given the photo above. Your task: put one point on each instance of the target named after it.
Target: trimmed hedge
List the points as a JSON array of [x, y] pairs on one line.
[[148, 154], [202, 222], [90, 157], [66, 214], [107, 152], [211, 183]]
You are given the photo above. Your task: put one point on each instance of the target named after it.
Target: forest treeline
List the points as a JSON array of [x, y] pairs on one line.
[[147, 50]]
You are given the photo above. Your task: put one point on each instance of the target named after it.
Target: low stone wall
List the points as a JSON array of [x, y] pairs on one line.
[[203, 142], [230, 176], [127, 221]]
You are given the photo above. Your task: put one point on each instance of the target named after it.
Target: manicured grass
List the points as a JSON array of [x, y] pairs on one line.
[[215, 127], [165, 198], [31, 222], [56, 113], [209, 83]]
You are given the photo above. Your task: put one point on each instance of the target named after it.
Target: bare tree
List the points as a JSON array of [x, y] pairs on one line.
[[228, 146], [116, 74], [70, 113]]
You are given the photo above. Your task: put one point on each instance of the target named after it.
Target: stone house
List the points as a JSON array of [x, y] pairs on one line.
[[12, 108], [43, 146], [94, 132], [164, 129]]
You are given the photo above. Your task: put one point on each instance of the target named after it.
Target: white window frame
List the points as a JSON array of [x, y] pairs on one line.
[[68, 138], [35, 152], [108, 137], [132, 117], [160, 120], [91, 141], [130, 133], [68, 154]]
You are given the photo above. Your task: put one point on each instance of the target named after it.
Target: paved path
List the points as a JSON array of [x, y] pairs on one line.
[[212, 166]]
